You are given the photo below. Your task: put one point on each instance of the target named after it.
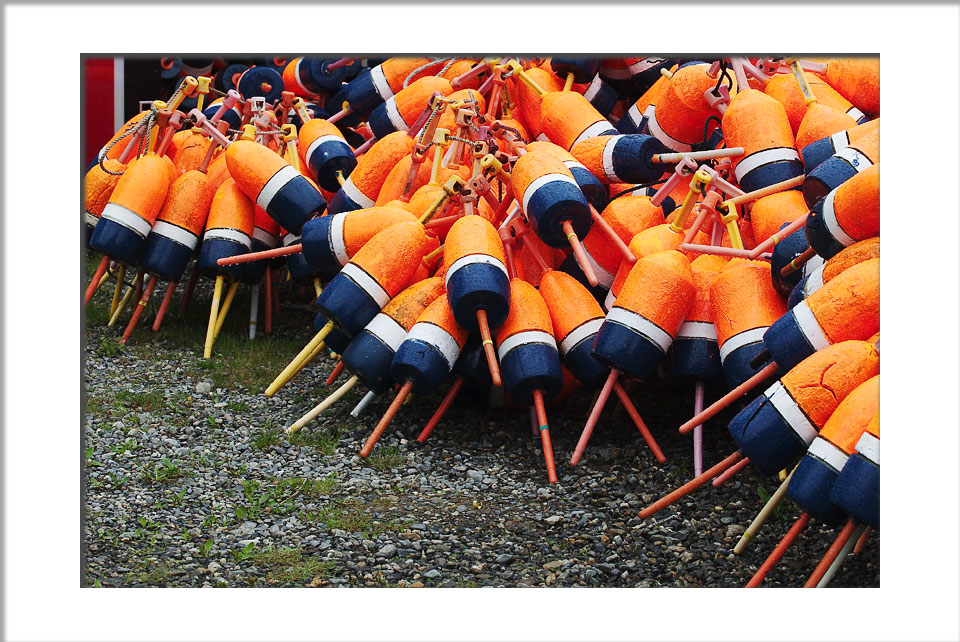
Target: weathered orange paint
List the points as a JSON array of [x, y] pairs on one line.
[[188, 202], [784, 89], [681, 109], [564, 115], [857, 204], [821, 121], [528, 311], [374, 166], [706, 268], [857, 80], [742, 298], [853, 415], [472, 235], [407, 306], [660, 288], [755, 121], [231, 208], [98, 186], [570, 304], [143, 187], [412, 100], [439, 314], [251, 165], [392, 256], [857, 253], [848, 307], [771, 212]]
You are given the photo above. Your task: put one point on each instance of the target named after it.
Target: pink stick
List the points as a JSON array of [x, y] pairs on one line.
[[343, 62], [718, 250], [594, 416], [779, 236], [367, 145], [698, 430]]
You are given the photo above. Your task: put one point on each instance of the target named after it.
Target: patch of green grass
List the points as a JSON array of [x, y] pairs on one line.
[[96, 406], [354, 516], [150, 401], [244, 553], [325, 441], [266, 439], [278, 496], [109, 347], [237, 406], [386, 458], [251, 364], [163, 471], [288, 565]]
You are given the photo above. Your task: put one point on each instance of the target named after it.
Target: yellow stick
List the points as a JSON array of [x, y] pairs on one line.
[[121, 273], [569, 82], [231, 292], [120, 306], [316, 287], [284, 376], [323, 405], [212, 323], [305, 362]]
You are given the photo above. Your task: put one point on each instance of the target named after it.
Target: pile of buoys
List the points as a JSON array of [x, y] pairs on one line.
[[522, 227]]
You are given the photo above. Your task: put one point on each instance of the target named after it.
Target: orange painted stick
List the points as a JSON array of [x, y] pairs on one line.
[[95, 281], [730, 472], [580, 254], [862, 542], [337, 369], [534, 252], [191, 285], [623, 247], [778, 552], [488, 348], [727, 399], [386, 419], [250, 257], [545, 436], [138, 311], [798, 262], [831, 553], [162, 312], [690, 486], [511, 263], [441, 410], [594, 417], [639, 423]]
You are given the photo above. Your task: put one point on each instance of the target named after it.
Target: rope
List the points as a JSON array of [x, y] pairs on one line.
[[416, 71]]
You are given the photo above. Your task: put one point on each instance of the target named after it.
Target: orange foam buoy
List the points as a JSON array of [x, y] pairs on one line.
[[759, 124], [784, 89], [576, 318], [190, 148], [744, 305], [98, 187], [819, 122], [228, 229], [527, 101], [325, 151], [635, 120], [448, 120], [178, 227], [550, 198], [363, 186], [850, 256], [566, 118], [399, 112], [857, 80], [132, 209], [680, 114], [848, 214], [772, 212], [842, 166], [820, 150], [396, 180]]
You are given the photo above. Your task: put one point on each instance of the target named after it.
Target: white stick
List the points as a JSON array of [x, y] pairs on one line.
[[254, 303], [704, 155], [360, 407], [323, 405], [851, 542]]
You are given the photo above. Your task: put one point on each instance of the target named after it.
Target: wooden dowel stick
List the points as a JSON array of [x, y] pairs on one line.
[[845, 533], [190, 287], [862, 542], [227, 301], [844, 552], [212, 321], [121, 273], [488, 348], [362, 405], [96, 280], [764, 191], [164, 305], [612, 235], [580, 254], [250, 257], [778, 552], [268, 300], [798, 263], [323, 405], [762, 516], [254, 310], [138, 310], [337, 369], [386, 419], [691, 485], [287, 372]]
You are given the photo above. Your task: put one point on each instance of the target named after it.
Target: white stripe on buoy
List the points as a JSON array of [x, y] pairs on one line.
[[642, 65], [265, 237], [814, 282], [635, 116], [290, 238], [763, 157], [828, 453], [641, 324], [607, 159], [697, 330], [386, 328], [473, 259], [126, 217], [869, 447], [662, 136], [337, 244], [857, 159], [595, 129], [283, 176], [791, 412], [90, 219], [570, 164], [354, 194], [593, 88], [175, 233], [296, 77], [833, 225], [840, 140], [540, 182], [809, 326], [813, 265], [525, 338], [437, 337], [227, 234], [321, 141], [741, 339], [855, 113], [367, 283], [579, 333], [604, 278], [399, 124], [380, 83], [609, 300]]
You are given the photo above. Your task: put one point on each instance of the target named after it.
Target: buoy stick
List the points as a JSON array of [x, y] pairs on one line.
[[763, 191], [191, 286], [534, 252], [212, 322], [164, 304], [639, 423], [310, 357], [268, 300], [386, 419], [95, 281], [594, 417], [106, 275], [779, 236], [534, 424], [254, 309], [778, 552], [844, 552], [340, 114], [568, 83], [441, 409], [337, 369], [762, 516], [511, 263], [225, 307], [690, 486], [580, 254], [730, 472], [623, 247], [323, 405], [138, 311], [845, 533], [250, 257], [729, 398], [719, 250], [316, 287], [862, 541], [545, 435], [698, 394], [798, 263], [121, 273], [488, 348], [292, 366], [362, 405], [343, 62], [127, 295], [697, 156], [367, 144]]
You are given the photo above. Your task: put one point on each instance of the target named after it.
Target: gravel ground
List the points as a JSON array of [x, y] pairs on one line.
[[192, 482]]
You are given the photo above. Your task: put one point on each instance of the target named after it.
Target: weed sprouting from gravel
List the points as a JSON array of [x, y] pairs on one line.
[[323, 440], [266, 439], [385, 458], [289, 565]]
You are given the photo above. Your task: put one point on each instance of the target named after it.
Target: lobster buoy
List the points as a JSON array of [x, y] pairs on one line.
[[744, 306], [834, 266], [821, 121], [679, 117], [759, 124], [621, 158], [576, 318], [842, 166], [771, 213], [590, 185], [176, 232], [583, 69], [819, 468], [326, 153], [820, 150], [228, 228], [376, 85], [550, 198], [330, 241], [264, 82], [427, 354], [857, 80], [226, 79], [784, 89], [98, 186], [634, 121], [399, 112], [786, 252], [361, 189], [777, 427], [601, 95], [857, 489], [134, 204], [265, 237], [695, 352], [639, 328], [232, 116], [567, 118], [529, 104], [846, 308], [848, 213]]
